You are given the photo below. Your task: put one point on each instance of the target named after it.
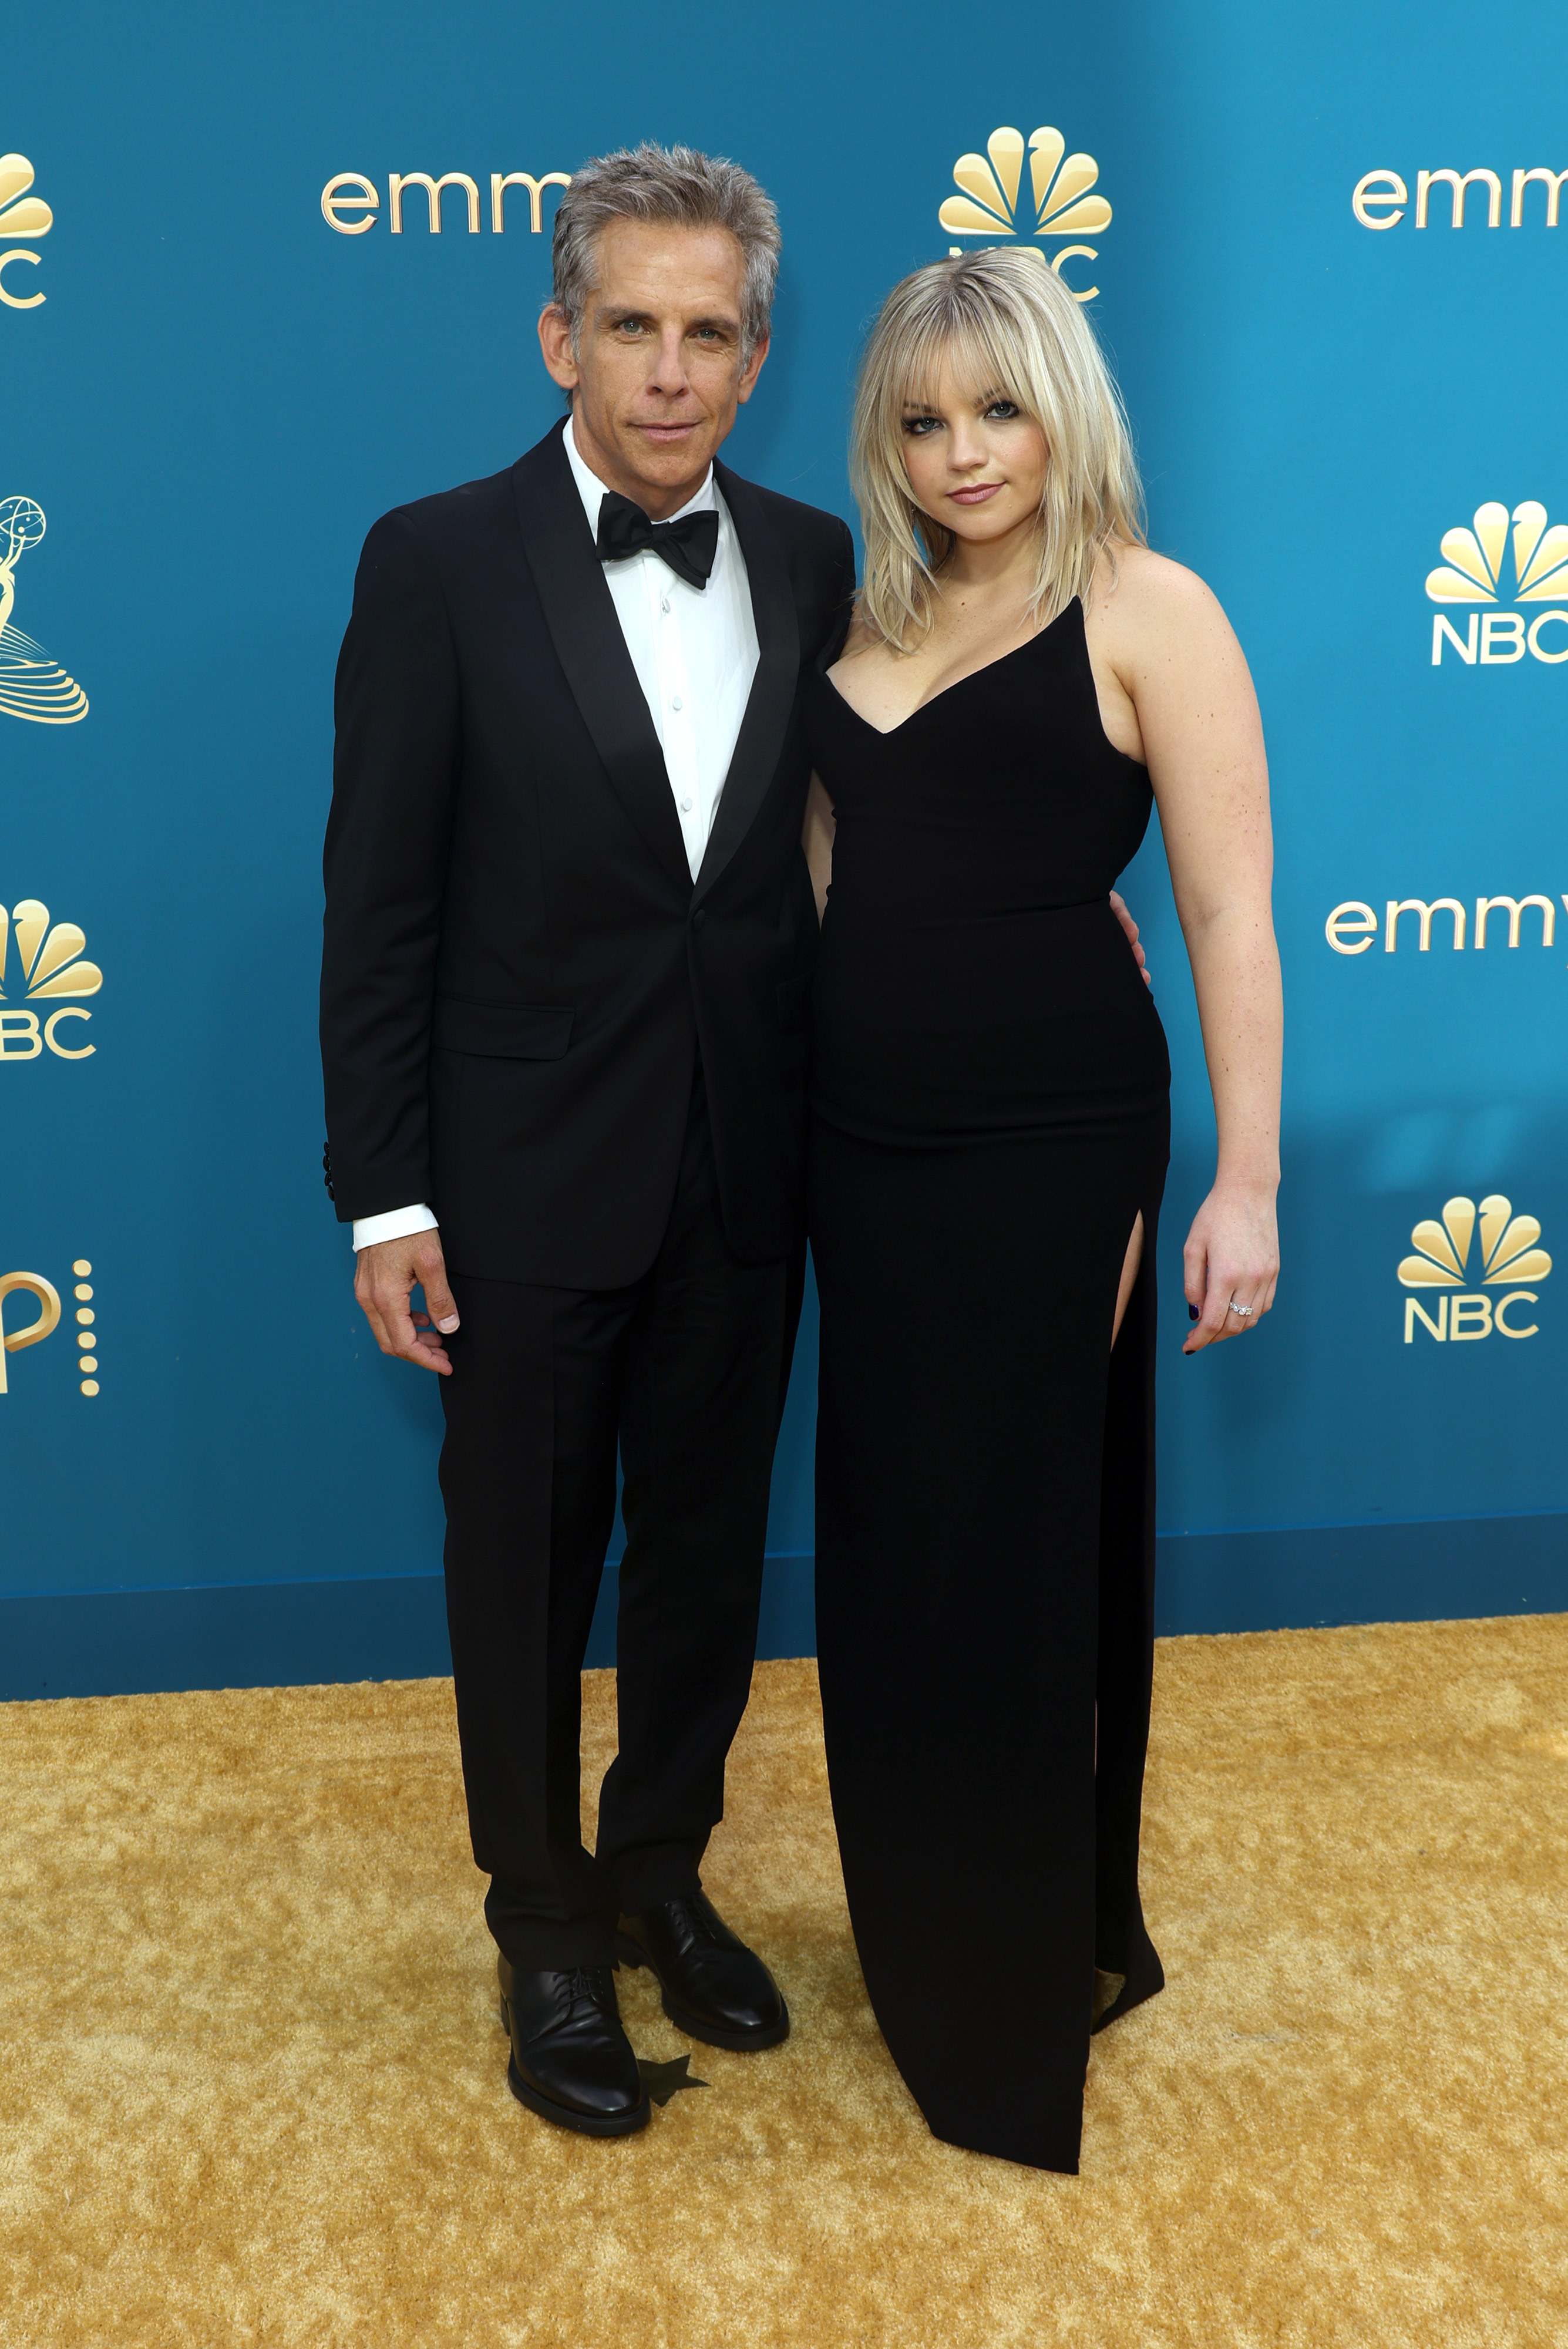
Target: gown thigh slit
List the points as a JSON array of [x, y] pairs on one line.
[[990, 1117]]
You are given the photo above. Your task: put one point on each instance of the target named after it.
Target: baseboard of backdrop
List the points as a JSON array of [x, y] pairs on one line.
[[393, 1627], [293, 1634]]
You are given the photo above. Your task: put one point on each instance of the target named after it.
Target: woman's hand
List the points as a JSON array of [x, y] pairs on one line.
[[1119, 908], [816, 839], [1231, 1258]]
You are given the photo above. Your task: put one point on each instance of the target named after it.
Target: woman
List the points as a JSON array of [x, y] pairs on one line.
[[989, 1138]]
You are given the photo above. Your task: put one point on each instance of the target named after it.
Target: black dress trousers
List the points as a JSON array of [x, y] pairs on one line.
[[684, 1370]]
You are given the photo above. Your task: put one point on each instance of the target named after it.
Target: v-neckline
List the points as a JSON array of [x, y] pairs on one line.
[[887, 732]]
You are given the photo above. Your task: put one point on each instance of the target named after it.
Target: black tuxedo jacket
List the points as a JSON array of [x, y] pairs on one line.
[[518, 967]]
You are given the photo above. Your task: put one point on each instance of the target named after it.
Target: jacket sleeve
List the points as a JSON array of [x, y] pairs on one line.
[[844, 607], [394, 778]]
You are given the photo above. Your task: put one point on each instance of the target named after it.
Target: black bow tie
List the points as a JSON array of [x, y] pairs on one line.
[[687, 545]]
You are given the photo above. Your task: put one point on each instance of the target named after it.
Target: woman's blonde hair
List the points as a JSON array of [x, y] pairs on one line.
[[1005, 324]]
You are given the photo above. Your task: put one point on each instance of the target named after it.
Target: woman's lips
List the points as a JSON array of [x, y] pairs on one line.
[[978, 495]]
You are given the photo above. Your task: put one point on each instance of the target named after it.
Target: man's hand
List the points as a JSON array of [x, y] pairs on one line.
[[384, 1277], [1119, 907]]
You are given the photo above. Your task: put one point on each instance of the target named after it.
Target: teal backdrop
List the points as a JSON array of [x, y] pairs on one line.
[[209, 391]]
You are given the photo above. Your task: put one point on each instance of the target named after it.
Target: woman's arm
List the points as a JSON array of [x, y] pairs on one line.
[[816, 839], [1178, 660]]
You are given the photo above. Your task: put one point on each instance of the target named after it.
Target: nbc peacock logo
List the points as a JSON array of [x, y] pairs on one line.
[[990, 203], [44, 963], [1475, 558], [1508, 1257], [22, 214], [32, 682]]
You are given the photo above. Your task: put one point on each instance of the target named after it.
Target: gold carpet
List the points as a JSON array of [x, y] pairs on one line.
[[251, 2087]]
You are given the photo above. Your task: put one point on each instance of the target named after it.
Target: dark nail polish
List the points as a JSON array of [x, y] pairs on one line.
[[1192, 1312]]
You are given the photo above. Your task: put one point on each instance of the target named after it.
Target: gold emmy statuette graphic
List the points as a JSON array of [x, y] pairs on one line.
[[48, 1300], [32, 682], [1509, 1257], [1058, 204], [20, 216], [1471, 573], [51, 969]]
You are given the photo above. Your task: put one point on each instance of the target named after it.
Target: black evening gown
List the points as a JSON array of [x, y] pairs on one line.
[[991, 1114]]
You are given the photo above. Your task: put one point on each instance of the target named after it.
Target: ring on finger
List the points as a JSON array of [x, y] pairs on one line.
[[1244, 1311]]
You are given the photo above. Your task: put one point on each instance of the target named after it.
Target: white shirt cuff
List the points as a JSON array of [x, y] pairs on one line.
[[397, 1224]]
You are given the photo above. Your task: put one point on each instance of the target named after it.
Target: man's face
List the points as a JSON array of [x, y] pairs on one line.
[[658, 373]]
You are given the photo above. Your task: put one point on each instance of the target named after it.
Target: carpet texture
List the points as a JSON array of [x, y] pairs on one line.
[[253, 2085]]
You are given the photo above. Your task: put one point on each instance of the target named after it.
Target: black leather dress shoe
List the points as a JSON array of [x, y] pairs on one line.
[[714, 1987], [571, 2062]]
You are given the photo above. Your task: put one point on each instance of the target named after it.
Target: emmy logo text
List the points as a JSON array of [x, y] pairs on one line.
[[1354, 927], [43, 1324], [45, 1295], [351, 204], [1379, 197]]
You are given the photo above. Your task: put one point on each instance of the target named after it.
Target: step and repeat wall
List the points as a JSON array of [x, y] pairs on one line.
[[266, 273]]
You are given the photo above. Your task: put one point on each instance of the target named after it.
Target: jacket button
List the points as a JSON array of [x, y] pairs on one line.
[[699, 917]]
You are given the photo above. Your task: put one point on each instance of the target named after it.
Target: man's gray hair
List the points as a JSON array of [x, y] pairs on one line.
[[674, 184]]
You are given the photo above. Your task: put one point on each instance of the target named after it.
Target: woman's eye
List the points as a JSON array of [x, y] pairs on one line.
[[1003, 409], [921, 425]]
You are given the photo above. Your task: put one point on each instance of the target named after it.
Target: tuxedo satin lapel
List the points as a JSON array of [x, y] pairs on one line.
[[772, 697], [580, 613]]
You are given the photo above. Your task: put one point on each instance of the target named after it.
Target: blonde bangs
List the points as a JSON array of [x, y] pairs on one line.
[[968, 353], [1004, 324]]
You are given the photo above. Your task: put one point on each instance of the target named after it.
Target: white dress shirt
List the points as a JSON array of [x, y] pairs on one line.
[[695, 653]]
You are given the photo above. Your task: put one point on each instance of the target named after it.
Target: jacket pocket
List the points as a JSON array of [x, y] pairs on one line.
[[502, 1031], [795, 1005]]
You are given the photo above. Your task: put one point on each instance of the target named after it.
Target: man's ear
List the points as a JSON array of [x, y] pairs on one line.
[[752, 370], [555, 343]]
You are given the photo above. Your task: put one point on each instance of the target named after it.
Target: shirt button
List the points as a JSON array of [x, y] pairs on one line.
[[685, 807], [675, 701], [664, 603]]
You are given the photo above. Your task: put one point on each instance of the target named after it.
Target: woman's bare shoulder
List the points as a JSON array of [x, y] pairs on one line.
[[1145, 586], [1148, 611]]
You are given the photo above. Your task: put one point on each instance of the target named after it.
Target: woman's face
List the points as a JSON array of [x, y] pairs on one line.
[[976, 462]]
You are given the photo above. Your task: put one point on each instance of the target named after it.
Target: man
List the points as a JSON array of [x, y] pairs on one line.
[[569, 939]]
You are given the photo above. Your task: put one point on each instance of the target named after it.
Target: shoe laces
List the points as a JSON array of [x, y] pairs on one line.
[[696, 1925]]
